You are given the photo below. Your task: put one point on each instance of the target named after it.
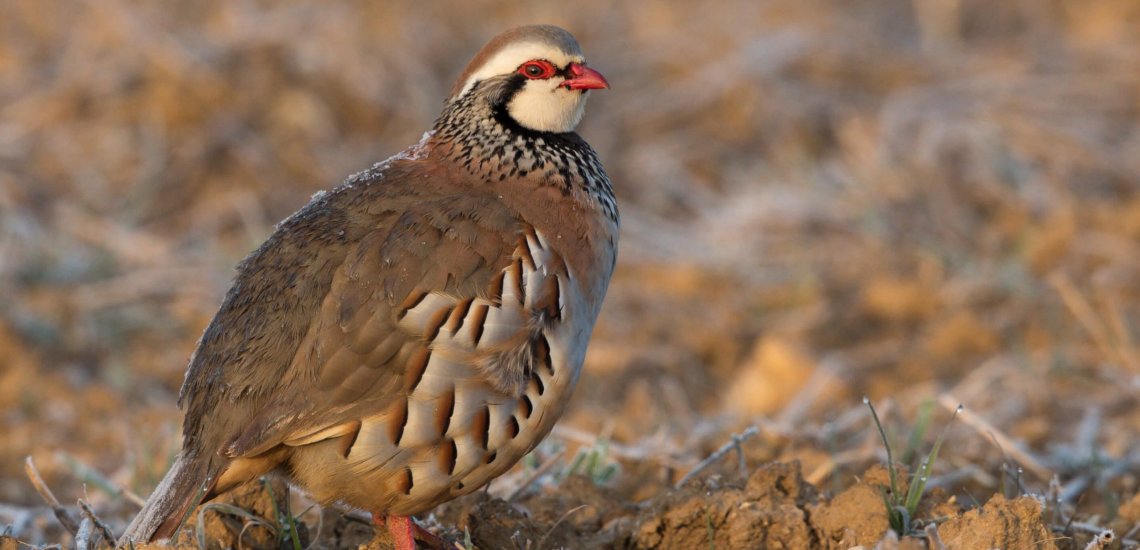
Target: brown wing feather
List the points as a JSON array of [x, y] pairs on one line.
[[307, 338]]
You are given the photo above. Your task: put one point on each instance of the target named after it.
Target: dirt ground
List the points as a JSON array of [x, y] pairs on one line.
[[926, 204]]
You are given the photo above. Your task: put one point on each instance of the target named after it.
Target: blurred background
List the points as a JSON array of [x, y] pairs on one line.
[[920, 201]]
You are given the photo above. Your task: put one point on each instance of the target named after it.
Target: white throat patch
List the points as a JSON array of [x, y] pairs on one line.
[[546, 106]]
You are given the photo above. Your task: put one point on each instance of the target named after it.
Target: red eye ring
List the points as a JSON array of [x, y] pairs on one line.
[[537, 69]]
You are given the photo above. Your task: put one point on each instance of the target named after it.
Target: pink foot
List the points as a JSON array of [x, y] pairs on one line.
[[404, 532]]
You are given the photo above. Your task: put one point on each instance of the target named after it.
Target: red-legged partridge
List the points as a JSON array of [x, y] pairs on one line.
[[409, 335]]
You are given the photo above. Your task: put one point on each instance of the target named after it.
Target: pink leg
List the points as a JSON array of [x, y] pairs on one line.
[[404, 532], [401, 528]]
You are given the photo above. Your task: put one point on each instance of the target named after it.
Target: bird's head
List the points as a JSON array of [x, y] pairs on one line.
[[535, 75]]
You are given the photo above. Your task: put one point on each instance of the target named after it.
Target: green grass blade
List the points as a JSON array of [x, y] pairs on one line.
[[279, 514], [922, 474], [887, 444], [918, 432]]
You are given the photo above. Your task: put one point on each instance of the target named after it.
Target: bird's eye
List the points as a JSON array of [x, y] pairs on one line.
[[537, 69]]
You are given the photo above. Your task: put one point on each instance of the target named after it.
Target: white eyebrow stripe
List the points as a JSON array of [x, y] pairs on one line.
[[508, 59]]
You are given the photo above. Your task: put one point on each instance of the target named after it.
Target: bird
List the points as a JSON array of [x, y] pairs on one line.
[[410, 334]]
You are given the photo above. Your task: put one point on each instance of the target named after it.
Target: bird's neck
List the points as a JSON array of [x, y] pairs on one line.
[[485, 141]]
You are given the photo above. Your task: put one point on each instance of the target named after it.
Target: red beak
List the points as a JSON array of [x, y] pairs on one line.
[[585, 78]]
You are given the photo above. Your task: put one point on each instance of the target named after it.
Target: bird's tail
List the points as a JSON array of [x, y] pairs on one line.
[[183, 488]]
